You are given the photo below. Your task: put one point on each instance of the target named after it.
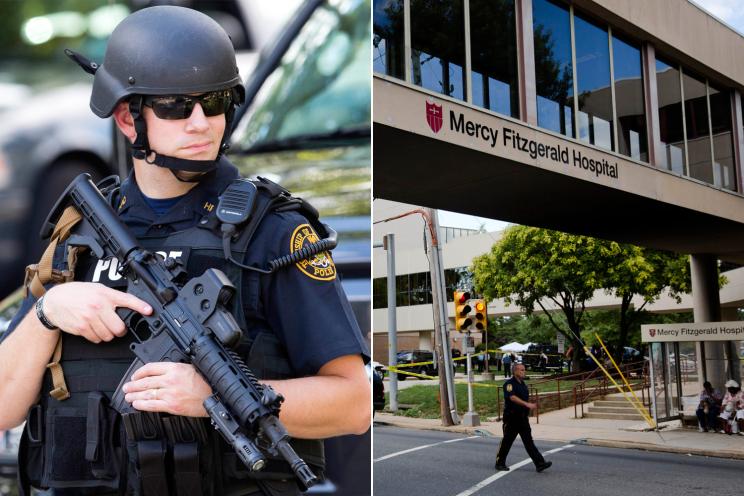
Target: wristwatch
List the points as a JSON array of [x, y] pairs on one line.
[[42, 318]]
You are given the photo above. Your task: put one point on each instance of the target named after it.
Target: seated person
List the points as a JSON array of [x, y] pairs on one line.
[[709, 408], [732, 408]]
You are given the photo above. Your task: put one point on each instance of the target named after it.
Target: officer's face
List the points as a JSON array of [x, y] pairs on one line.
[[195, 138], [518, 371]]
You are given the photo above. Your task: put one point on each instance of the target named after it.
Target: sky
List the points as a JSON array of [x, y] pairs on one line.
[[729, 11]]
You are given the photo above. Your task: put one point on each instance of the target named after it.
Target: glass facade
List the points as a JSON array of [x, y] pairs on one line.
[[493, 42], [590, 72], [438, 46], [553, 66], [593, 84], [387, 41], [415, 289], [723, 144], [697, 129], [632, 139], [672, 156]]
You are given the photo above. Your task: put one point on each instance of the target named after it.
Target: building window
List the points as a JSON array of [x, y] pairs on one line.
[[438, 46], [670, 118], [379, 292], [553, 67], [697, 128], [723, 144], [494, 56], [387, 49], [402, 288], [593, 84], [632, 139]]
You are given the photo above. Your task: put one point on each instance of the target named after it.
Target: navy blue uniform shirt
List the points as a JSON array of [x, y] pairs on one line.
[[513, 387], [304, 304]]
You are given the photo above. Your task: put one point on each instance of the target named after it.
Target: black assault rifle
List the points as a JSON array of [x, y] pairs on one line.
[[189, 324]]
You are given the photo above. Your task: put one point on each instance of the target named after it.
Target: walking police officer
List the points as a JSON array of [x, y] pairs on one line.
[[170, 80], [516, 420]]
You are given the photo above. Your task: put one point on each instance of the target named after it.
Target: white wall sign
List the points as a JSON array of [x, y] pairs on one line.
[[700, 331]]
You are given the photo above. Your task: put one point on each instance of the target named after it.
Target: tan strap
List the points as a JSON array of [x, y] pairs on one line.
[[42, 273], [59, 391], [38, 275]]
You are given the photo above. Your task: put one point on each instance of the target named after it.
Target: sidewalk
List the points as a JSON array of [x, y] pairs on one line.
[[561, 426]]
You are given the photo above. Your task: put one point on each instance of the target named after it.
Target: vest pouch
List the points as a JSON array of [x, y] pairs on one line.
[[31, 451], [65, 464], [102, 438]]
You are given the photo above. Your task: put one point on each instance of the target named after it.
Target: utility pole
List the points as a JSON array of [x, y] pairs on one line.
[[441, 335], [389, 246], [439, 305]]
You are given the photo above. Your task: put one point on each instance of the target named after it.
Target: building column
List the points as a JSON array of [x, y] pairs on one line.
[[526, 63], [651, 99], [737, 128], [706, 307]]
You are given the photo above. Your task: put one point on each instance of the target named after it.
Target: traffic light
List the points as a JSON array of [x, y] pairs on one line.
[[481, 314], [462, 311]]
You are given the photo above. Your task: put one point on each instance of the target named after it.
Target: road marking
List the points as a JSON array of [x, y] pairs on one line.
[[499, 475], [392, 455]]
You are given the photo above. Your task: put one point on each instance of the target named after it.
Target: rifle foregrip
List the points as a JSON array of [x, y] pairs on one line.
[[226, 377]]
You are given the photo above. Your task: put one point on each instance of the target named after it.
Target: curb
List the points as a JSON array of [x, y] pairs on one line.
[[731, 455]]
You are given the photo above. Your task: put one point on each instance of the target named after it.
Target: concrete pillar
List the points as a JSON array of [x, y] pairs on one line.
[[706, 307]]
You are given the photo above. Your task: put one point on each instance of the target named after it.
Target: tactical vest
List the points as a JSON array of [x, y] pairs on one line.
[[80, 443]]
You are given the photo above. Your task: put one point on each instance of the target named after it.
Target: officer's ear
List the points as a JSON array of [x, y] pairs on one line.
[[124, 121]]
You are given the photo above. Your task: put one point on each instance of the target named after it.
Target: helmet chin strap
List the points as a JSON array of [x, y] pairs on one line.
[[141, 148]]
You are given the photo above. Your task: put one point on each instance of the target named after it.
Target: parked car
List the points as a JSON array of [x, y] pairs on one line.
[[531, 358], [378, 391], [416, 356], [53, 136]]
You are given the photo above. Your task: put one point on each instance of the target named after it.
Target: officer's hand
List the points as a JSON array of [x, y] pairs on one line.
[[88, 310], [175, 388], [529, 405]]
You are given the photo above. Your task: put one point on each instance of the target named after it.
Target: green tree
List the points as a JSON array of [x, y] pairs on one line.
[[534, 267], [633, 271], [559, 272]]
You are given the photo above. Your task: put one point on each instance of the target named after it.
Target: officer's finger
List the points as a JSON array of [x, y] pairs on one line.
[[112, 321], [144, 384], [151, 369], [150, 405], [101, 330], [121, 299]]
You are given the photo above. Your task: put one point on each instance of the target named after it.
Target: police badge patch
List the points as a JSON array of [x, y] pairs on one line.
[[509, 388], [319, 266]]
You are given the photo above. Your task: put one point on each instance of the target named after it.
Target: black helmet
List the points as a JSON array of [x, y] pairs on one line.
[[163, 50], [160, 51]]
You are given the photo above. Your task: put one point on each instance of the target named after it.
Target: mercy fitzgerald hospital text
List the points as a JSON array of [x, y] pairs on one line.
[[511, 138]]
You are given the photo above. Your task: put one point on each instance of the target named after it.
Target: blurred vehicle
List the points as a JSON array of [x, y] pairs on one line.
[[407, 357], [631, 355], [378, 391], [531, 358], [50, 135], [306, 125]]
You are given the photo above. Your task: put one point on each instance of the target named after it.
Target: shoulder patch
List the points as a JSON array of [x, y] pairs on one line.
[[509, 388], [319, 266]]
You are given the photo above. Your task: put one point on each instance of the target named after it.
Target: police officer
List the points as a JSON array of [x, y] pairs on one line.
[[170, 81], [516, 420]]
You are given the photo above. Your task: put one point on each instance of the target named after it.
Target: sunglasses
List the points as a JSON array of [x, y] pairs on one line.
[[174, 107]]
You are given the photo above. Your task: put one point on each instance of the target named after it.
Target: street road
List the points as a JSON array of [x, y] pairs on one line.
[[431, 463]]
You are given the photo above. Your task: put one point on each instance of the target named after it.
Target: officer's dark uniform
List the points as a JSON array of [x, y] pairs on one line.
[[516, 421], [295, 320]]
